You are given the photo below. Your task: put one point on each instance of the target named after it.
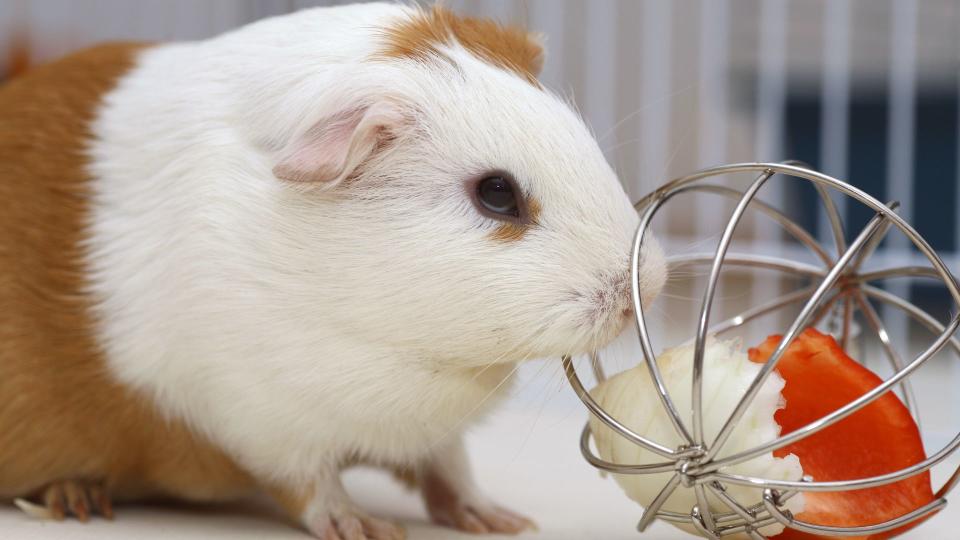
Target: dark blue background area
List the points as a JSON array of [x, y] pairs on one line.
[[935, 171]]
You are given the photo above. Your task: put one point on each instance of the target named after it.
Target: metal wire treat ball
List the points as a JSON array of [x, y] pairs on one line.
[[836, 291]]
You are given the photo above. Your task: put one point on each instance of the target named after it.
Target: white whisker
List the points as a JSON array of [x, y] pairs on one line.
[[646, 106]]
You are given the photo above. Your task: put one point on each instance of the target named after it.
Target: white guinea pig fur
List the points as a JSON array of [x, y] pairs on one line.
[[285, 253]]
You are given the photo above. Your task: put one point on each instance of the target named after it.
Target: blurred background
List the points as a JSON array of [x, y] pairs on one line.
[[864, 90]]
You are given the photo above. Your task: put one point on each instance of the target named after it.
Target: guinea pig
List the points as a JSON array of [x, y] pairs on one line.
[[241, 264]]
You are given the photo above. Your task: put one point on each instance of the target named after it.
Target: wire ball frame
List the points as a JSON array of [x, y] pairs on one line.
[[840, 285]]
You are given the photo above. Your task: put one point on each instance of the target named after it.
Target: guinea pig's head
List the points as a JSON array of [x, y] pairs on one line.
[[462, 211]]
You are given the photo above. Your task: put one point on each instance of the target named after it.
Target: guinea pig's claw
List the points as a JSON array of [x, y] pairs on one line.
[[470, 512], [77, 499], [347, 526], [33, 510], [484, 520], [101, 500]]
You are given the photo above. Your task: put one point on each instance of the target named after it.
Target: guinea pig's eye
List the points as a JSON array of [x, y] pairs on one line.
[[496, 194]]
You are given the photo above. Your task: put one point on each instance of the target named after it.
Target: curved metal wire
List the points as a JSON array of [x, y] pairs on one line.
[[707, 305], [750, 260], [837, 415], [696, 463], [873, 319], [798, 325], [619, 468], [650, 359], [771, 504], [788, 224], [610, 421]]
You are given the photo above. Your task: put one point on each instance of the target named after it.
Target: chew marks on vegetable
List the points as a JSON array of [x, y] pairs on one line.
[[631, 398], [813, 379], [881, 438]]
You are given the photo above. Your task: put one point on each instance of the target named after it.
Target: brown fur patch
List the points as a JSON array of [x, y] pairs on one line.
[[511, 232], [507, 47], [18, 54], [407, 477], [533, 211], [508, 232], [61, 415]]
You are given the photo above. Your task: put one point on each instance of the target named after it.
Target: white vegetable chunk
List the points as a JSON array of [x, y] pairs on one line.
[[631, 398]]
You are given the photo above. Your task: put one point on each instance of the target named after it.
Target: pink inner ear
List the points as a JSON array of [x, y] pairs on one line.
[[321, 153], [329, 151]]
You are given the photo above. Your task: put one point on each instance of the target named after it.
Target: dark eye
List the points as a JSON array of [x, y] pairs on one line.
[[497, 195]]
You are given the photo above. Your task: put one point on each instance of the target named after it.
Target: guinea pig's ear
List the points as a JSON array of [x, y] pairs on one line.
[[334, 147]]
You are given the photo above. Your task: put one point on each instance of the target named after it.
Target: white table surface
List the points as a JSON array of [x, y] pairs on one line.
[[526, 456]]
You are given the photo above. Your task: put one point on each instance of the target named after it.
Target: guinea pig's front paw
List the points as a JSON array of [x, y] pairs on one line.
[[481, 519], [350, 524], [77, 498], [326, 511], [473, 514]]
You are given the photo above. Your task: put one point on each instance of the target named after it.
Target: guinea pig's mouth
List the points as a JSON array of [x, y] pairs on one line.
[[609, 308]]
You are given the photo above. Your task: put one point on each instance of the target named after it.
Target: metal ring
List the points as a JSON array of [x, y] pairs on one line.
[[838, 282]]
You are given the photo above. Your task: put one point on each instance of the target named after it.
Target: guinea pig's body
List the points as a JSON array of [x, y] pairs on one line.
[[240, 264], [63, 416]]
